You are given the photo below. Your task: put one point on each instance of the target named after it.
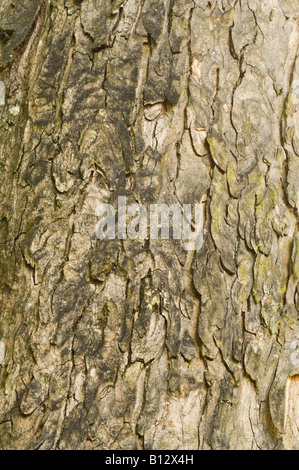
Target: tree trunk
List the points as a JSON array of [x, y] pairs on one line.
[[123, 344]]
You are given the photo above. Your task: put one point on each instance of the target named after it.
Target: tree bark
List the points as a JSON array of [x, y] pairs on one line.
[[122, 344]]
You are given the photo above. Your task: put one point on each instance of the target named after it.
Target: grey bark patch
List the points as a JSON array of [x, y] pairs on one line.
[[2, 352], [2, 93]]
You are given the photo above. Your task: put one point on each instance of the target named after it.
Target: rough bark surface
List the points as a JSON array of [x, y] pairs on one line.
[[143, 345]]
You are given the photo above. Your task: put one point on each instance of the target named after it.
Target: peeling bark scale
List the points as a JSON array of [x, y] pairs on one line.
[[140, 344]]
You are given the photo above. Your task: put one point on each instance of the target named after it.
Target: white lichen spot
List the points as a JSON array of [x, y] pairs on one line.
[[2, 352], [14, 110], [92, 134], [2, 93]]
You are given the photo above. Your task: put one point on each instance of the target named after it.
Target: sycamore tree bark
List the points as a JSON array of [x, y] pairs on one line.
[[123, 344]]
